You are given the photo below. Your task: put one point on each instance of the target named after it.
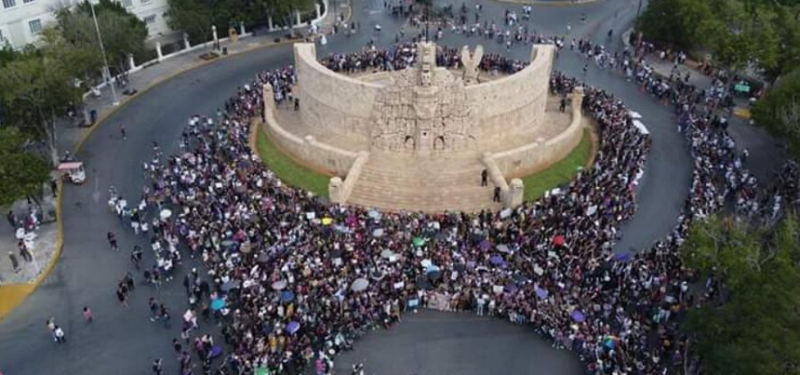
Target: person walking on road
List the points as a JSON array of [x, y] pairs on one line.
[[24, 252], [485, 178], [136, 256], [14, 262], [87, 314], [52, 327], [59, 334], [112, 241], [123, 132], [153, 309], [122, 295], [12, 219], [157, 370]]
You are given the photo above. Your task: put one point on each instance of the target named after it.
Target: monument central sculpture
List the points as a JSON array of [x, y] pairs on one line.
[[423, 110]]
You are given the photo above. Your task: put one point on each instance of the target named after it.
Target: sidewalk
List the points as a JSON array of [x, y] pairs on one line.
[[46, 248], [666, 67], [42, 247]]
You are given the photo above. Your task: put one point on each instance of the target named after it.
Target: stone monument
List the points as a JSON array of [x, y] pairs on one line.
[[420, 138], [422, 111], [471, 62]]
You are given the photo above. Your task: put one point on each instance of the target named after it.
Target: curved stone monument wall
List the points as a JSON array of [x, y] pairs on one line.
[[505, 108], [514, 104], [329, 99]]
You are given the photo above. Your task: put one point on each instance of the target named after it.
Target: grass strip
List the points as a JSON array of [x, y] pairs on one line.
[[289, 171], [561, 172]]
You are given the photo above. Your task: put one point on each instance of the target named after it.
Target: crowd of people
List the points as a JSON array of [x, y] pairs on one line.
[[293, 280], [402, 55], [295, 274]]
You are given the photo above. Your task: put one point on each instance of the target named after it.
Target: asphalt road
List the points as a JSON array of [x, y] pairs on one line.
[[122, 341], [438, 343]]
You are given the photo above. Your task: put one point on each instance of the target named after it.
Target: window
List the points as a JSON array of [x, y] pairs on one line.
[[35, 26], [127, 3], [28, 1], [144, 1], [9, 3], [149, 19]]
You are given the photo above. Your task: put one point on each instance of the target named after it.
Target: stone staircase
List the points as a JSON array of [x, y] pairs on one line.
[[396, 182]]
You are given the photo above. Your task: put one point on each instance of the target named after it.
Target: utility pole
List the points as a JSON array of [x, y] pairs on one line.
[[639, 11], [107, 71]]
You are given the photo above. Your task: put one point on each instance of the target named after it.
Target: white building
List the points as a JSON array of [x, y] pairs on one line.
[[22, 20]]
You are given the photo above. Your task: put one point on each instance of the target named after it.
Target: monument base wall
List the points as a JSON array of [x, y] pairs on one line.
[[308, 151], [540, 155]]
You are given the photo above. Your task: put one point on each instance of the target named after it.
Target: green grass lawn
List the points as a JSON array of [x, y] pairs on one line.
[[289, 171], [560, 172]]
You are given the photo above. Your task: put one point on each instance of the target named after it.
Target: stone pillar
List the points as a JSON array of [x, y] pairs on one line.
[[241, 29], [269, 23], [158, 51], [131, 62], [516, 192], [335, 190], [297, 16], [214, 34], [318, 9], [186, 44]]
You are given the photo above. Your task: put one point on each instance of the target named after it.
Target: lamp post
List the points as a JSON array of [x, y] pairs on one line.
[[107, 71]]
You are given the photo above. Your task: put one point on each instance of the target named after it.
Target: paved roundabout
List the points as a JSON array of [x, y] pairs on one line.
[[122, 340]]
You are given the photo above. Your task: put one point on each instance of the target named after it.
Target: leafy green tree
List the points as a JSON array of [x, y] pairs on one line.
[[787, 25], [779, 111], [755, 328], [123, 33], [737, 33], [195, 17], [22, 173], [679, 24], [38, 87]]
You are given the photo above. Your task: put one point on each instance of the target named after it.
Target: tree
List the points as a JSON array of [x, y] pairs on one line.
[[123, 33], [738, 33], [22, 172], [191, 16], [677, 24], [195, 17], [755, 328], [38, 87], [779, 111]]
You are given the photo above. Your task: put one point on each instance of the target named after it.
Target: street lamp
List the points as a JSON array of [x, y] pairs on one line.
[[106, 70]]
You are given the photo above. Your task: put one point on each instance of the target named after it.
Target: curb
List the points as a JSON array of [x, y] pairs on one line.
[[17, 297], [20, 291]]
